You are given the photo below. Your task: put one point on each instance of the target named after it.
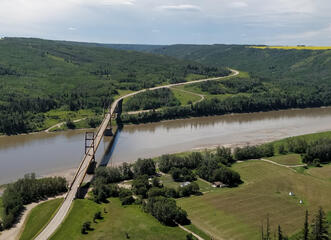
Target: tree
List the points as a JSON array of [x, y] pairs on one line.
[[320, 226], [144, 167], [280, 233], [140, 185], [305, 231]]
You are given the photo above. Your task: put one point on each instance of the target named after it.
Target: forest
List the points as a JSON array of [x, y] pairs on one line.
[[37, 76]]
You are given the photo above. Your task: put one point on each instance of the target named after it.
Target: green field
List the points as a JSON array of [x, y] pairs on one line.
[[116, 223], [185, 97], [237, 213], [288, 159], [39, 217]]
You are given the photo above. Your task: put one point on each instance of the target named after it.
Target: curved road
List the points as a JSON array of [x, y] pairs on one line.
[[56, 221]]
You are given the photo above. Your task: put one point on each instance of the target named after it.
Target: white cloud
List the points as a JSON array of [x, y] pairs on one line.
[[182, 7], [238, 4], [103, 2]]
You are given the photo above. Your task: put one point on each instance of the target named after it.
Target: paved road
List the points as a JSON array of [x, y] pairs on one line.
[[81, 171]]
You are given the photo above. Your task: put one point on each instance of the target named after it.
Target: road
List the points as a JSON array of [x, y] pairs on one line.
[[62, 123], [51, 227], [283, 165]]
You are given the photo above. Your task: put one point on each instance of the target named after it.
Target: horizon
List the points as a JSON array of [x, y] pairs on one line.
[[168, 22]]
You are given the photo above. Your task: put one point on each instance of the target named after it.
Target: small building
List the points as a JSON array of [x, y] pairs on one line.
[[291, 194], [301, 202], [185, 184], [219, 184]]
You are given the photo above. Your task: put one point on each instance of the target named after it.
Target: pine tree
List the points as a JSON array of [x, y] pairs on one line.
[[320, 226], [306, 228], [280, 234]]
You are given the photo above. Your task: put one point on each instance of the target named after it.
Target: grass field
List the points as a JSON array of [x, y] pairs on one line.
[[116, 223], [185, 97], [293, 47], [39, 217], [237, 213], [288, 159]]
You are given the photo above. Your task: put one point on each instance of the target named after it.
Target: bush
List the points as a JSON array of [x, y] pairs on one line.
[[127, 200], [70, 124], [191, 189], [140, 185], [86, 227]]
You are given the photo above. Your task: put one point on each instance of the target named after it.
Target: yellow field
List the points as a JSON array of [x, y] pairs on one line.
[[293, 47]]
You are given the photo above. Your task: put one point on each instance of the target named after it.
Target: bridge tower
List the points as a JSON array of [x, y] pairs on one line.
[[89, 143]]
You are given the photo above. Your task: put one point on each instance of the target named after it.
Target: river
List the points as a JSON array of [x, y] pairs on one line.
[[45, 153]]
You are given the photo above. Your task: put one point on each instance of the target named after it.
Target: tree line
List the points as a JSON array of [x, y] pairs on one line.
[[27, 190], [255, 102], [313, 152]]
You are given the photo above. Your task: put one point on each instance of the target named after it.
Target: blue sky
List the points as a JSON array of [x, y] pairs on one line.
[[274, 22]]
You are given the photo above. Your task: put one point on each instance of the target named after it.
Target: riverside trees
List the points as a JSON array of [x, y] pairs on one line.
[[26, 190]]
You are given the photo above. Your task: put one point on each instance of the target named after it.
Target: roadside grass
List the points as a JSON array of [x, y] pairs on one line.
[[292, 47], [116, 223], [237, 213], [288, 159], [185, 97], [39, 217]]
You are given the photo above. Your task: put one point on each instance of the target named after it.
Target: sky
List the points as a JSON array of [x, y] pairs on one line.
[[271, 22]]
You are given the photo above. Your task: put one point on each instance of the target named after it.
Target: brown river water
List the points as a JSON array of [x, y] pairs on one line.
[[46, 153]]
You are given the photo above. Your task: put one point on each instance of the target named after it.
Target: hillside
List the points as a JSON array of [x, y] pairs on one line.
[[37, 76], [300, 65]]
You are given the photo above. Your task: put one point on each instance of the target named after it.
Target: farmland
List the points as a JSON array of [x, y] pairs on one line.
[[237, 213]]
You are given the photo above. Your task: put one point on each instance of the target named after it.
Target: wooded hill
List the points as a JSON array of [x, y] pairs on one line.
[[40, 75]]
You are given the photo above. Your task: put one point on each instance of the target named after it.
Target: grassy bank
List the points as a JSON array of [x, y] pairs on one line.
[[116, 223], [39, 217]]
